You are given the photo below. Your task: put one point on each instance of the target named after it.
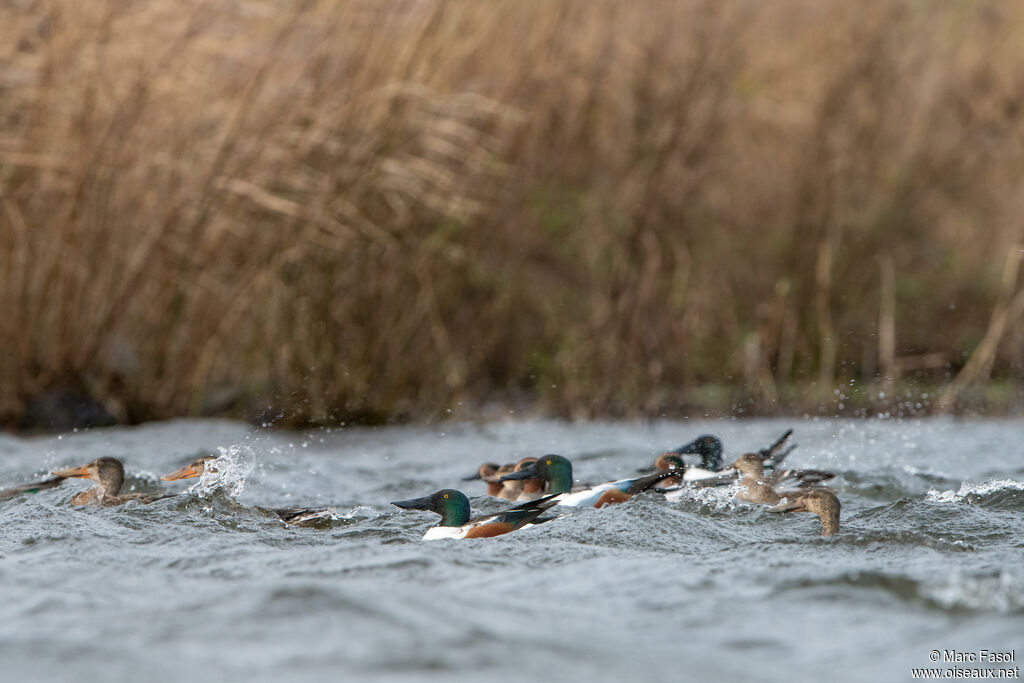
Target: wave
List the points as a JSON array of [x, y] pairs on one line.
[[995, 493], [1002, 593]]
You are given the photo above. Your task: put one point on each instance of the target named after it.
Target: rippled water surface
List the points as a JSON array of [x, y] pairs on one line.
[[204, 587]]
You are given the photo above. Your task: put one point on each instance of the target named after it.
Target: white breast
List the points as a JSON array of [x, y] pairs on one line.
[[590, 496], [435, 533], [694, 473]]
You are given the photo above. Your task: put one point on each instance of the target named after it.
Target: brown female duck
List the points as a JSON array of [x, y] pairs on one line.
[[108, 473], [293, 516], [763, 487], [522, 490], [821, 502], [488, 472]]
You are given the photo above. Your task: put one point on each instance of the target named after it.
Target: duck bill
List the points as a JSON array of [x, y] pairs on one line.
[[186, 472], [423, 503], [528, 472], [472, 477], [795, 506], [73, 473]]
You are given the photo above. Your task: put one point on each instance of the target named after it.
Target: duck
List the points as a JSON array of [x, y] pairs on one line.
[[672, 462], [709, 448], [108, 473], [758, 486], [819, 501], [531, 488], [453, 506], [488, 472], [556, 473], [522, 490], [298, 516], [34, 487]]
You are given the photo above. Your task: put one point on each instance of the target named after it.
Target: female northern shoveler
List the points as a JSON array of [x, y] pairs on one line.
[[293, 516], [556, 473], [709, 448], [527, 489], [453, 506], [513, 489], [108, 473], [488, 472], [759, 486], [821, 502]]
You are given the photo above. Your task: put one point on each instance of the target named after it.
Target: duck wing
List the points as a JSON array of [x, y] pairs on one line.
[[517, 515], [791, 479], [773, 455]]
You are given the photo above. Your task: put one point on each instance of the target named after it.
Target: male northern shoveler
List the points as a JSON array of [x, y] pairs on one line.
[[709, 448], [821, 502], [453, 506], [34, 487], [556, 473], [108, 473], [672, 462], [294, 516]]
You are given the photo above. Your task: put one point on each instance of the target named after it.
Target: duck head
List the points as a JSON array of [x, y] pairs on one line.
[[749, 465], [108, 473], [708, 447], [196, 468], [821, 502], [671, 461], [452, 505], [489, 473], [488, 469], [553, 470], [535, 485]]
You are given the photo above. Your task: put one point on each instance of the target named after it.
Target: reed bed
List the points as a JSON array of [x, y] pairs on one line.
[[382, 209]]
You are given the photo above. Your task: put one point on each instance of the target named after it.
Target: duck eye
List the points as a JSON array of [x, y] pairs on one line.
[[446, 495], [548, 462]]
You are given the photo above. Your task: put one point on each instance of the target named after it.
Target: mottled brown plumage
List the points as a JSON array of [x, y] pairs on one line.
[[819, 501], [108, 473], [754, 486]]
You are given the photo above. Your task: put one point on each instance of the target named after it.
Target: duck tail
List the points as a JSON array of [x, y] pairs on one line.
[[34, 487], [643, 483]]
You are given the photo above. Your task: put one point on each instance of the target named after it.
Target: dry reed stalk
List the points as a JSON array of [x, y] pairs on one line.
[[367, 208]]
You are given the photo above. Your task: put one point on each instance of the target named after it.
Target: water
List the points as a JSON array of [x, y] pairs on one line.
[[204, 586]]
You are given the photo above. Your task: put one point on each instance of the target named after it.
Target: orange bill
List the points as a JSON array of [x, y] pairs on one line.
[[187, 472], [80, 472]]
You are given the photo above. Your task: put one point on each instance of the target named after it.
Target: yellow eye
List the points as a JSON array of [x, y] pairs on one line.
[[446, 495], [548, 462]]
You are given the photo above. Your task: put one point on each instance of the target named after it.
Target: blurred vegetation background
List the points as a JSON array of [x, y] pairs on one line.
[[313, 211]]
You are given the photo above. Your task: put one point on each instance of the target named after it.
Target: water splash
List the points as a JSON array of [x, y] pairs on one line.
[[227, 473], [968, 489], [715, 497], [358, 512]]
